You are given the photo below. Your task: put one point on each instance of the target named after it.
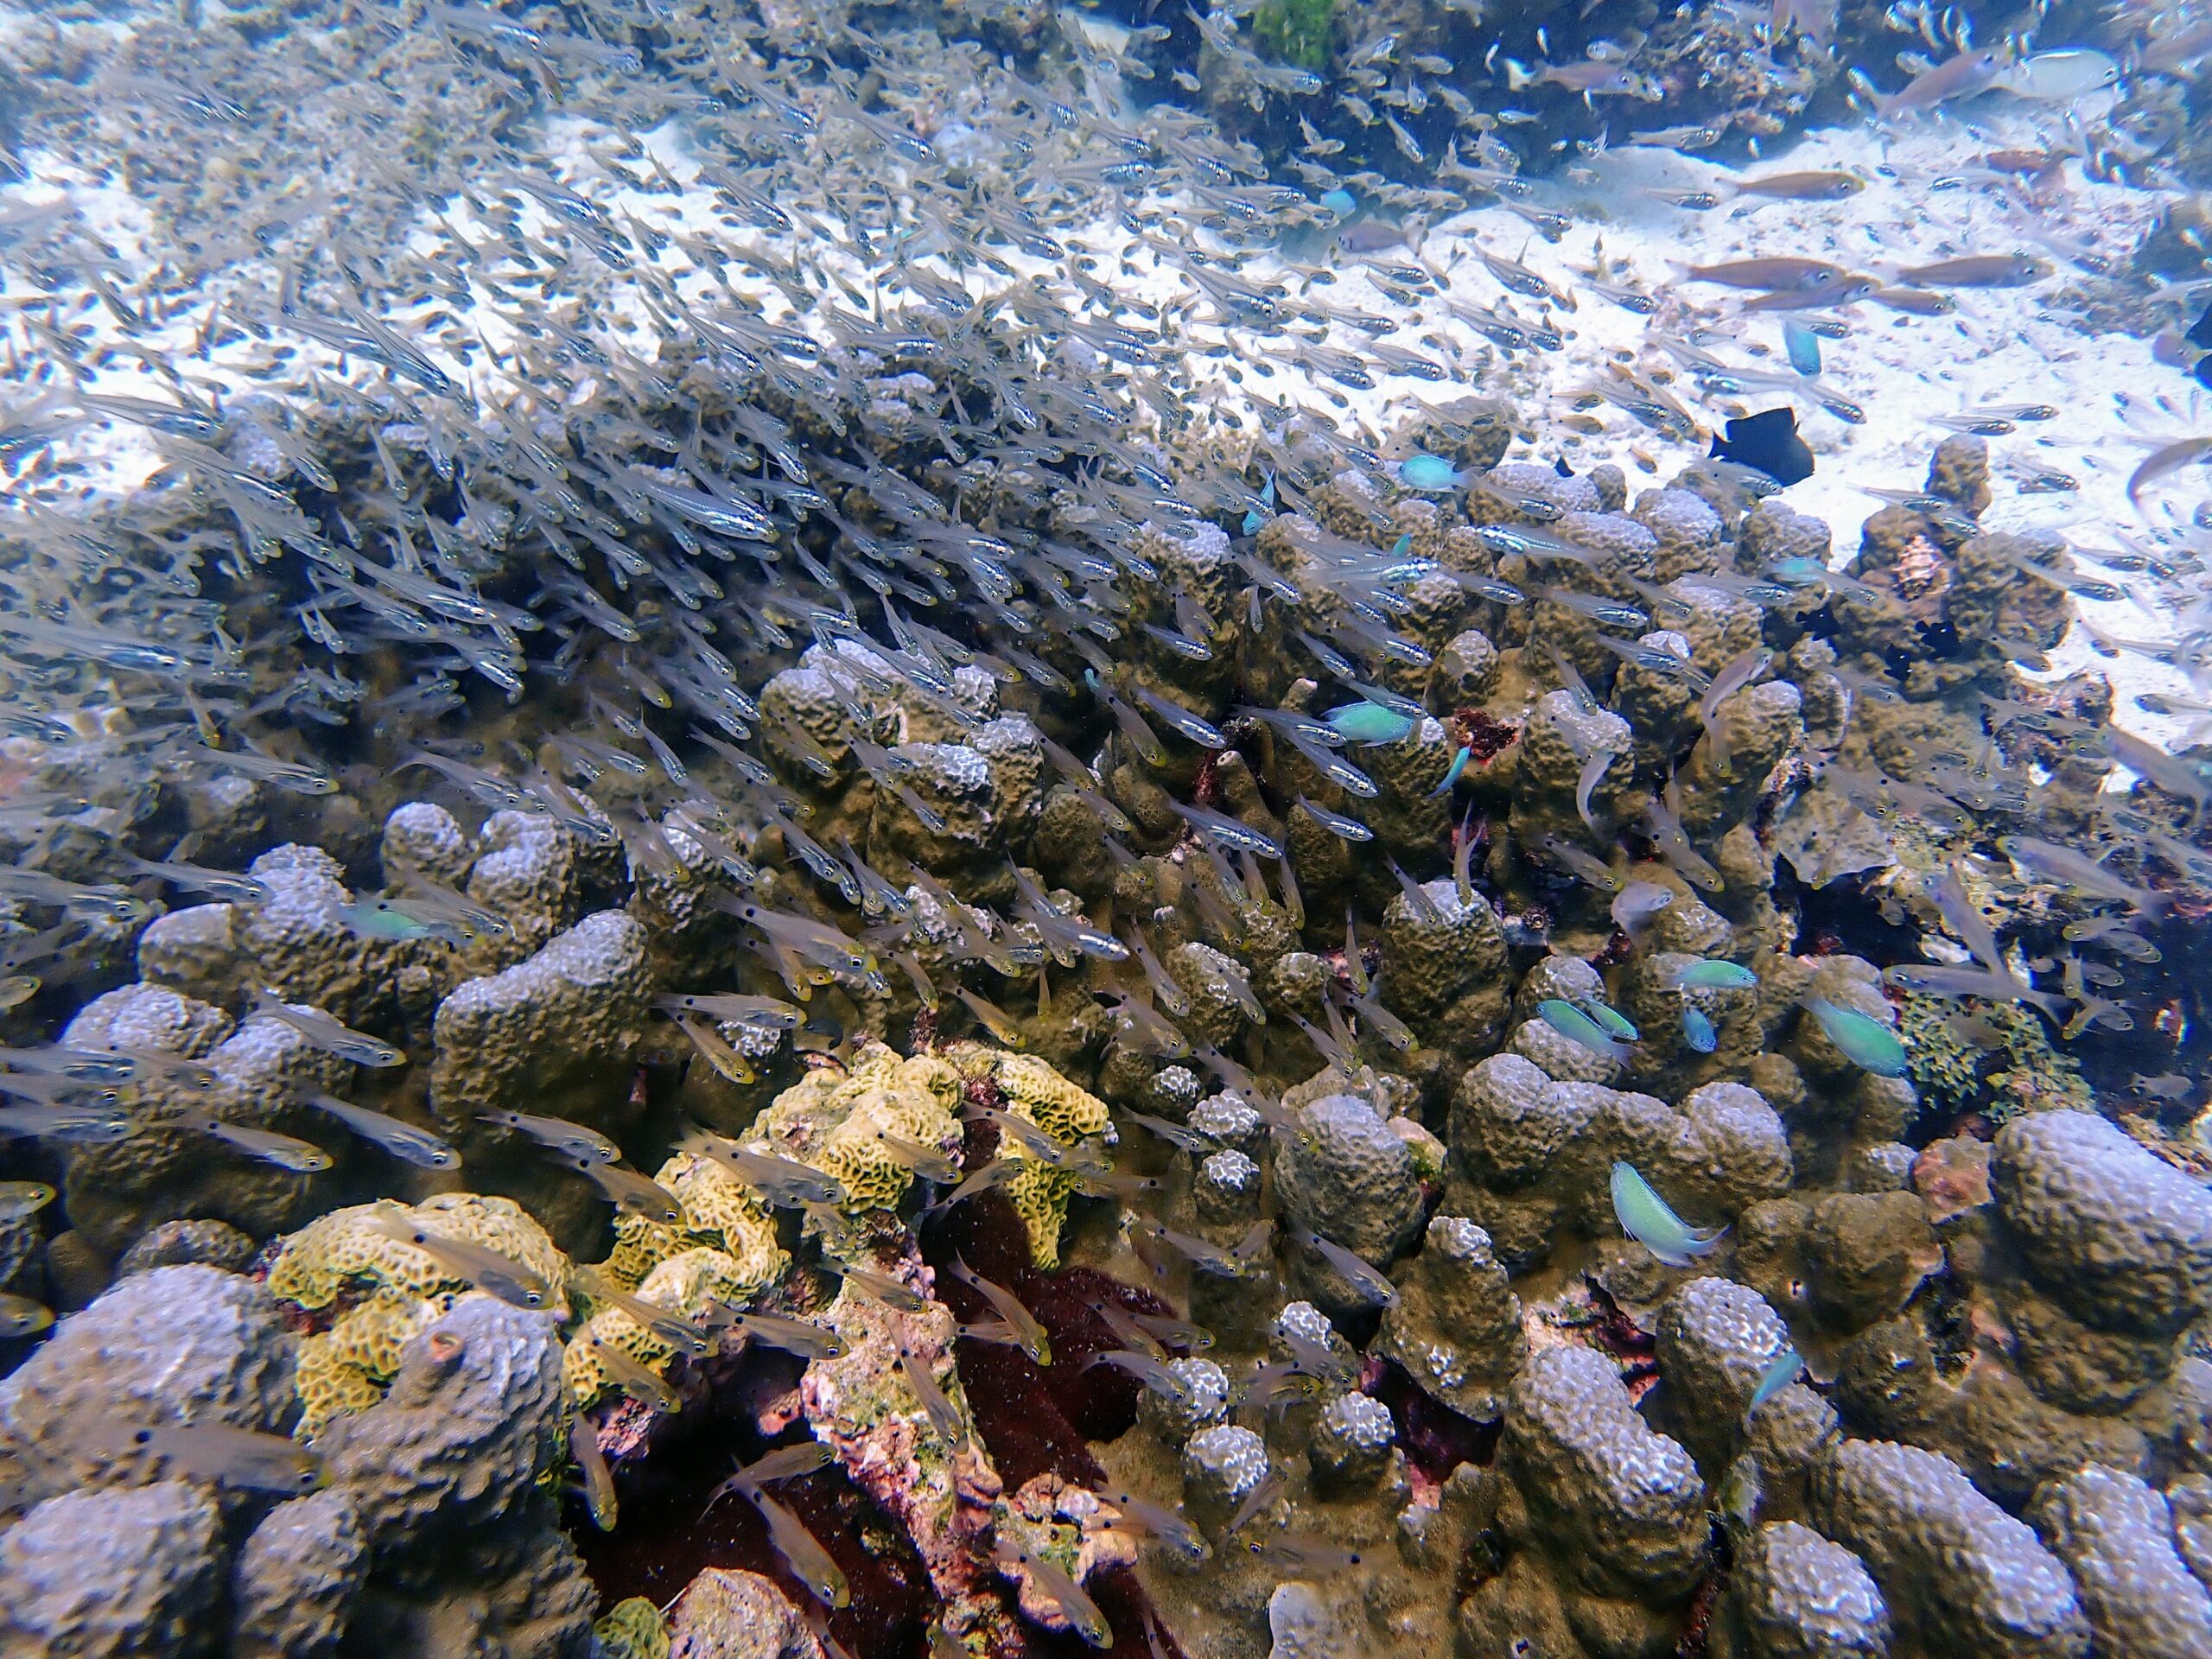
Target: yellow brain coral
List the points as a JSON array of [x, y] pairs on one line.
[[1030, 1089], [684, 1283], [720, 1213], [834, 1122], [386, 1291], [632, 1629], [725, 1251]]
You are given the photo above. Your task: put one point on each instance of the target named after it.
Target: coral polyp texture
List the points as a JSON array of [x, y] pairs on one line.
[[1283, 831]]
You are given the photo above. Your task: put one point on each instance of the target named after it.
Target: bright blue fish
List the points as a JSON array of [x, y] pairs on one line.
[[1578, 1028], [1804, 346], [1452, 777], [1865, 1041], [1255, 520], [1777, 1376], [1697, 1030], [1430, 472], [1615, 1023], [1368, 722], [1713, 975], [1646, 1218]]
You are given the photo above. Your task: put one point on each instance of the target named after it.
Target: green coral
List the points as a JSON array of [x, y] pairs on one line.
[[2023, 1073], [632, 1629], [1946, 1069], [2037, 1078], [1296, 31]]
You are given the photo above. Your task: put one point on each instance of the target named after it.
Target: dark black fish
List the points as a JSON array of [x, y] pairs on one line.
[[2201, 333], [1767, 442]]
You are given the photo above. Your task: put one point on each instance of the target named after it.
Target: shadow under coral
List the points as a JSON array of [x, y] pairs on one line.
[[1032, 1419]]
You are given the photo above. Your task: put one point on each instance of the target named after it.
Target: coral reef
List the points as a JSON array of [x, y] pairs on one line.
[[890, 978]]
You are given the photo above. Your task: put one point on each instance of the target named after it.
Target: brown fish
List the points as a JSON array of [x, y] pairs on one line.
[[2160, 462], [1979, 270], [1960, 77], [1915, 302], [1777, 272], [1802, 187]]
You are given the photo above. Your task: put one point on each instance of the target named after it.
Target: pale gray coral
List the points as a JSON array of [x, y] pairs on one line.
[[1794, 1595], [1715, 1340], [1533, 480], [1621, 1508], [1959, 1575], [444, 1474], [1232, 1122], [810, 700], [423, 838], [177, 1244], [1466, 670], [297, 944], [1223, 1466], [2190, 1502], [194, 951], [1536, 1152], [296, 1580], [2123, 1241], [1353, 1442], [1346, 1174], [1559, 737], [1686, 529], [1718, 624], [1204, 1401], [1623, 546], [1510, 1119], [169, 1171], [2115, 1535], [554, 1034], [1456, 1327], [531, 869], [1219, 988], [1443, 967], [1225, 1189], [1302, 1625], [1867, 1253], [148, 1016], [729, 1614], [168, 1345], [1774, 532], [127, 1574]]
